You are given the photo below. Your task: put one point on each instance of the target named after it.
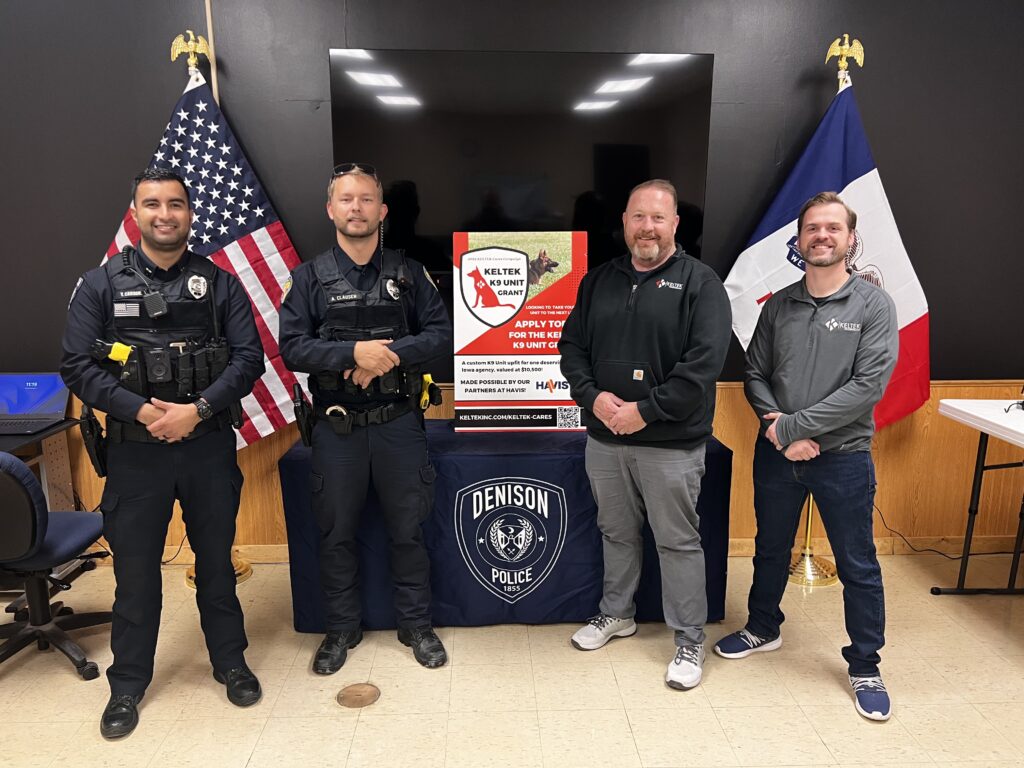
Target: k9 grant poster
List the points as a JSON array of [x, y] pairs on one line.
[[513, 292]]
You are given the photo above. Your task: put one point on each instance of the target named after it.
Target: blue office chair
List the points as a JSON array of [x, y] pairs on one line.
[[34, 541]]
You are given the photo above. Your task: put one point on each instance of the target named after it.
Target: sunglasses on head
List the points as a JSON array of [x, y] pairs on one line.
[[346, 168]]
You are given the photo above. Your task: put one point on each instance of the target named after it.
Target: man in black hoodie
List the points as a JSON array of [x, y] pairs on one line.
[[642, 351]]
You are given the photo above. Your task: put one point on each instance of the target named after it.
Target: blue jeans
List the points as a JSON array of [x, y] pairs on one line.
[[843, 485]]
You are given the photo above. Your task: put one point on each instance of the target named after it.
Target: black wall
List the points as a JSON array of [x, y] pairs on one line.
[[87, 90]]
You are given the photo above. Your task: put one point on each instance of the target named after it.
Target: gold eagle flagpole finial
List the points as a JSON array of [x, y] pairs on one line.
[[845, 50], [194, 47]]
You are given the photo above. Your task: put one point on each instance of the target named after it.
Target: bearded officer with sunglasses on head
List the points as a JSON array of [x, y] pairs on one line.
[[361, 320]]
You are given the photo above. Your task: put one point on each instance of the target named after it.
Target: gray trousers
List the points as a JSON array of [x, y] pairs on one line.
[[629, 481]]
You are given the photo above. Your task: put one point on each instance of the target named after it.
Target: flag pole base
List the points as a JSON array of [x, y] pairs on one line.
[[810, 571], [242, 567]]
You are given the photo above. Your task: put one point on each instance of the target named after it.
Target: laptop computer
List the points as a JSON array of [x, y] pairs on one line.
[[31, 402]]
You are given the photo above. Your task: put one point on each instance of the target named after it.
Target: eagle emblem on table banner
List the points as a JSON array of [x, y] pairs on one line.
[[511, 531], [511, 539]]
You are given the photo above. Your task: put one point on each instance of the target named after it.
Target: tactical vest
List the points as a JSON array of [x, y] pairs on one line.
[[171, 326], [354, 315]]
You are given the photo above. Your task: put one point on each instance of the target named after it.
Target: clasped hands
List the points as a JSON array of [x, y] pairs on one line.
[[168, 422], [620, 416], [373, 358], [798, 450]]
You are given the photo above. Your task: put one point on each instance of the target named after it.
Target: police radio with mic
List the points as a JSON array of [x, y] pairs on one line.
[[153, 301], [155, 304]]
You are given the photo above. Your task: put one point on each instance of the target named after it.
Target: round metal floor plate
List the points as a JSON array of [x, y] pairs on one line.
[[358, 695]]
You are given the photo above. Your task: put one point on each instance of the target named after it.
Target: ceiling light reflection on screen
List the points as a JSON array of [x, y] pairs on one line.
[[351, 53], [591, 105], [380, 79], [622, 86], [657, 58], [400, 101]]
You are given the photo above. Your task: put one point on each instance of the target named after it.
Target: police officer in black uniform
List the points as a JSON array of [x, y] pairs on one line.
[[361, 319], [164, 342]]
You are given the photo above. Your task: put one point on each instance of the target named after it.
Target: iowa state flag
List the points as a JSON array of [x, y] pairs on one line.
[[838, 159]]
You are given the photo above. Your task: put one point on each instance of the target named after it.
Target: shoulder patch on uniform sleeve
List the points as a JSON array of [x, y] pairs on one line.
[[75, 290], [286, 287], [430, 279]]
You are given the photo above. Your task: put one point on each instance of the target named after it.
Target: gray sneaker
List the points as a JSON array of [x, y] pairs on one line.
[[687, 668], [600, 629]]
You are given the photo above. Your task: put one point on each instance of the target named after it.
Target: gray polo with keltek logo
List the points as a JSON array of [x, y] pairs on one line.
[[823, 363]]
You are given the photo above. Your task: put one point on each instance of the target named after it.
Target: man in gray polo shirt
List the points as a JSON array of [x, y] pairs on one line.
[[820, 358]]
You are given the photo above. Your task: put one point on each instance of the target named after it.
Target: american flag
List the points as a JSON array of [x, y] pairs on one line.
[[236, 227]]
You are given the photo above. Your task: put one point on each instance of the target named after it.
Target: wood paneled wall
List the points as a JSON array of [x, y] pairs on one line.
[[924, 466]]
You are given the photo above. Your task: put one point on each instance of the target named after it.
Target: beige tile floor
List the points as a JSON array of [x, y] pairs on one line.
[[521, 696]]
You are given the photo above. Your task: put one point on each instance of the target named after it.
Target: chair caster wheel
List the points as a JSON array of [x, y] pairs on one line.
[[21, 614], [88, 565], [66, 611], [89, 671]]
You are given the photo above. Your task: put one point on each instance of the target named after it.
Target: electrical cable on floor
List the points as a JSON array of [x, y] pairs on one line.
[[175, 555], [929, 549]]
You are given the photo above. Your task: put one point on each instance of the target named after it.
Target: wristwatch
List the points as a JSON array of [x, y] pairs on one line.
[[204, 408]]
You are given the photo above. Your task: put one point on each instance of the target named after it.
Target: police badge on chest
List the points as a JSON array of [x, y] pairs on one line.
[[392, 288], [197, 286]]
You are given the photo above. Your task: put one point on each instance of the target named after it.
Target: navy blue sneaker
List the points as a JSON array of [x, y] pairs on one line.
[[743, 643], [870, 697]]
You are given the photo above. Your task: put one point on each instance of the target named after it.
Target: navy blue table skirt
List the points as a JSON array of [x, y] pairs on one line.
[[512, 538]]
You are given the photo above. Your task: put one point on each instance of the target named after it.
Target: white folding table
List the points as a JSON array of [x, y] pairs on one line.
[[1002, 419]]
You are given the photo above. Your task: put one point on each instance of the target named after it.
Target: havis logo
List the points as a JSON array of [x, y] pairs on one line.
[[510, 532], [551, 385]]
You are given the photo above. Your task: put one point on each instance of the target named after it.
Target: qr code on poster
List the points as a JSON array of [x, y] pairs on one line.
[[568, 417]]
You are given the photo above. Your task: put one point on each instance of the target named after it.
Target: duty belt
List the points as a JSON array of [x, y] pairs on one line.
[[122, 431], [396, 382], [342, 418]]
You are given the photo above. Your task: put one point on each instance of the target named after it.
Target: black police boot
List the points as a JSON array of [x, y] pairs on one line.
[[243, 687], [120, 716], [426, 646], [333, 651]]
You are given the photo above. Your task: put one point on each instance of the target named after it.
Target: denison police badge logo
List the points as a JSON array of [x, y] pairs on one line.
[[197, 286], [510, 532], [393, 289]]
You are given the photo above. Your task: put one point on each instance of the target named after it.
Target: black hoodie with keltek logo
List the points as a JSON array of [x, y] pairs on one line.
[[657, 338]]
